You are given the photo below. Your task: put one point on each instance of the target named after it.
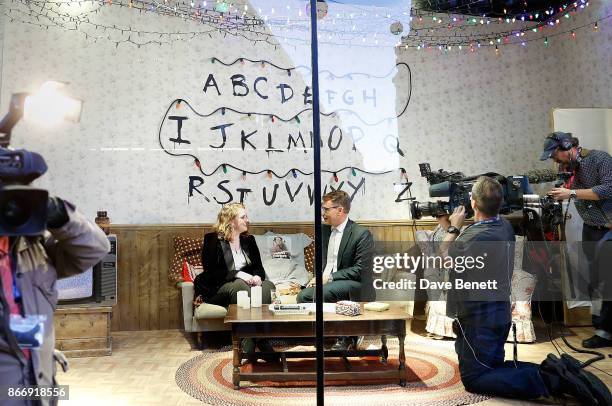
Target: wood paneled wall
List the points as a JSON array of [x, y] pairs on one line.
[[147, 300]]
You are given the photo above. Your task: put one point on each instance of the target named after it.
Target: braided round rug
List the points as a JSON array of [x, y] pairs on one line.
[[432, 379]]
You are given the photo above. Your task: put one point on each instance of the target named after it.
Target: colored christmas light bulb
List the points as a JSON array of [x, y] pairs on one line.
[[224, 168], [197, 163]]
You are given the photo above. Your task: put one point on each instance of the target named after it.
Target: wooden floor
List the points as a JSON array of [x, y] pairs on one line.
[[143, 364]]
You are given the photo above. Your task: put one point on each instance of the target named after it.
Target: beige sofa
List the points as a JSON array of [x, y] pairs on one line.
[[208, 317]]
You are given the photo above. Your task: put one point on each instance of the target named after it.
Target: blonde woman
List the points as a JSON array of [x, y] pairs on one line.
[[232, 263]]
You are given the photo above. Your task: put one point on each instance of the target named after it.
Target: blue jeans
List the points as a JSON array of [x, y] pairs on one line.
[[603, 321], [480, 350]]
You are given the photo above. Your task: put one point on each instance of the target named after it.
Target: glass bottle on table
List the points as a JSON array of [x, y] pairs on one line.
[[103, 221]]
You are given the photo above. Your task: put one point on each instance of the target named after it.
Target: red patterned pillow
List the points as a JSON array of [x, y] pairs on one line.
[[185, 249], [309, 252]]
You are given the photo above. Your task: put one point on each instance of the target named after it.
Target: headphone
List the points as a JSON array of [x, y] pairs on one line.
[[563, 141]]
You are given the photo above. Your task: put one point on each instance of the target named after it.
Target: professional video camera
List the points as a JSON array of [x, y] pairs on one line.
[[23, 209], [545, 211], [457, 187]]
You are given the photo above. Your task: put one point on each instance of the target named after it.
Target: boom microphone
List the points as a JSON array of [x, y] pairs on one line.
[[542, 175]]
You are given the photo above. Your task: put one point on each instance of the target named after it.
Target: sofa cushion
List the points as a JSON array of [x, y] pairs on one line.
[[309, 252], [185, 249], [282, 257], [292, 246], [209, 311], [285, 271]]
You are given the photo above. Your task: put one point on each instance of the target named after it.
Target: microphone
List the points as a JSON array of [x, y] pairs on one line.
[[542, 175]]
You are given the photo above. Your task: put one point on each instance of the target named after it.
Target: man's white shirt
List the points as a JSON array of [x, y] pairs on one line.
[[333, 247]]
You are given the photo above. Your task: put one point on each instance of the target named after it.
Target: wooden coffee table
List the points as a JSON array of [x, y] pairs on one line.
[[261, 322]]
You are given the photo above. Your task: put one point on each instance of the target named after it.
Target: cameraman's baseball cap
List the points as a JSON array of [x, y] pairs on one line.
[[552, 142]]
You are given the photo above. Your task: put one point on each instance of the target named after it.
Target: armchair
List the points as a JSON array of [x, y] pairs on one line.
[[206, 317]]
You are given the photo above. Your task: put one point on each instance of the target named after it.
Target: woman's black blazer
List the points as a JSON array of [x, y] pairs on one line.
[[218, 264]]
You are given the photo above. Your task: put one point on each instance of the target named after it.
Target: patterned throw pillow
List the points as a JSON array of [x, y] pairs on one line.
[[309, 252], [185, 249], [282, 256], [190, 272], [281, 245]]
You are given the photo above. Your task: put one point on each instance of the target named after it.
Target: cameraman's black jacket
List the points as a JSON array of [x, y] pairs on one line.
[[494, 243]]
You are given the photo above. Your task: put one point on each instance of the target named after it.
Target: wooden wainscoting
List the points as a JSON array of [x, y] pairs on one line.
[[147, 300]]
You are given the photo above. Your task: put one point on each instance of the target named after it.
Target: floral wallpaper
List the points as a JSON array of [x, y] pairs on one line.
[[467, 112]]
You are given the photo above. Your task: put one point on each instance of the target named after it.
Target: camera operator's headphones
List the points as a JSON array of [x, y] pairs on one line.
[[563, 140]]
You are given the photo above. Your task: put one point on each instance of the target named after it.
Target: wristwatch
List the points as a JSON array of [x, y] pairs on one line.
[[573, 194], [453, 230]]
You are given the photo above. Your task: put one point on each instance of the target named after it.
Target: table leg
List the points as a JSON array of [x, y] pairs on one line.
[[236, 353], [384, 351], [402, 359]]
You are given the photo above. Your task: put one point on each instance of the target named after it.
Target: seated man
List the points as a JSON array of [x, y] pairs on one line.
[[347, 258], [483, 317]]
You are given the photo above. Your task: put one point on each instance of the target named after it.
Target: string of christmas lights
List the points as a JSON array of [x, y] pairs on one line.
[[293, 172], [269, 172], [331, 75], [570, 33], [252, 29], [73, 23], [274, 117]]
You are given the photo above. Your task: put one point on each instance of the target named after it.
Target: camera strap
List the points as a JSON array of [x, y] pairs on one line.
[[488, 221]]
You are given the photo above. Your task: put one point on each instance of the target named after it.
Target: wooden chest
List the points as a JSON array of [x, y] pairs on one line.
[[83, 331]]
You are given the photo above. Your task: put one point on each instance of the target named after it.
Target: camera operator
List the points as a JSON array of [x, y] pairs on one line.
[[29, 268], [483, 319], [590, 186]]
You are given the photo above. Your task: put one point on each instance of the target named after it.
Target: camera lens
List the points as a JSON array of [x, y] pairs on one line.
[[431, 209], [14, 212], [23, 210], [415, 210]]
